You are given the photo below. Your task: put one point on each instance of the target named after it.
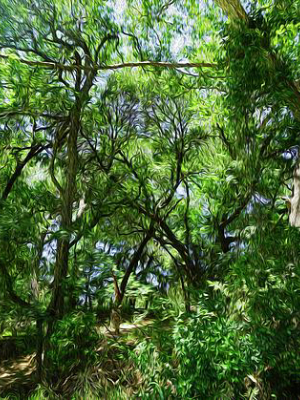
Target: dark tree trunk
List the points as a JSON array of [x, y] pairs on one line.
[[56, 306], [39, 349], [120, 291]]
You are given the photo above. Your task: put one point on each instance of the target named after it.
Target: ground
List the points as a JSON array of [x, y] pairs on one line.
[[20, 371]]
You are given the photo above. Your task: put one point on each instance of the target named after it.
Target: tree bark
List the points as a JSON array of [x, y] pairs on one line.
[[39, 348], [56, 307], [233, 8], [294, 218], [186, 295]]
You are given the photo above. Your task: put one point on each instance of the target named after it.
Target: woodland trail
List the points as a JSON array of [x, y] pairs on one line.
[[14, 373], [21, 370]]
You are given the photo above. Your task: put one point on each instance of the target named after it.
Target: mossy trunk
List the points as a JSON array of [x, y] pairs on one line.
[[56, 307]]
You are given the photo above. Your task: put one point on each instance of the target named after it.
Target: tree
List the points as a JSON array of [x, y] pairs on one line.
[[135, 148]]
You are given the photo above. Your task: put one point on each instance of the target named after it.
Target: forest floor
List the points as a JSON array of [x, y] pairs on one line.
[[14, 373], [20, 371]]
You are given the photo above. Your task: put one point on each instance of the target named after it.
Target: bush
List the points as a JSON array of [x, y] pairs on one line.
[[242, 342], [153, 361], [245, 340], [215, 355], [72, 345]]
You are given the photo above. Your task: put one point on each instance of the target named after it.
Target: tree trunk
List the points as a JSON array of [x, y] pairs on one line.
[[39, 348], [186, 295], [233, 8], [56, 307], [295, 200], [120, 291]]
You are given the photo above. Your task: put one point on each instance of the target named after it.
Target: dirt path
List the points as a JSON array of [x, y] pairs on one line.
[[16, 372], [125, 327], [20, 371]]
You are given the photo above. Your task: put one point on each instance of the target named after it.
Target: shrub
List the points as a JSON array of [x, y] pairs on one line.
[[72, 344]]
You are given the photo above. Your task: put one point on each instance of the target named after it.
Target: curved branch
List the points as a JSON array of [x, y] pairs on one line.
[[135, 259], [34, 150], [9, 286]]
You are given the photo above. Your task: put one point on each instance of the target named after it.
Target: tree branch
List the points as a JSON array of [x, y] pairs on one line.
[[58, 66], [34, 150], [9, 287], [135, 259]]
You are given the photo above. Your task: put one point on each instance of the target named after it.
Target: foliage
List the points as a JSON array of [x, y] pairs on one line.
[[72, 345], [151, 166]]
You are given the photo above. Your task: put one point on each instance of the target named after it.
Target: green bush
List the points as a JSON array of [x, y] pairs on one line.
[[72, 345], [242, 342], [153, 360], [245, 340], [215, 355]]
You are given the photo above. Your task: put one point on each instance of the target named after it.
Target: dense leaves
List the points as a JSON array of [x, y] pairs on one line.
[[134, 187]]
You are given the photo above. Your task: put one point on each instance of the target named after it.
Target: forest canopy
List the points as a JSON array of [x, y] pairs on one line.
[[149, 176]]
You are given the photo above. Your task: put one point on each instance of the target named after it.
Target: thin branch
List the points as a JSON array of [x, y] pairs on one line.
[[186, 216], [159, 64], [34, 150], [102, 43], [135, 259], [225, 141], [9, 287]]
